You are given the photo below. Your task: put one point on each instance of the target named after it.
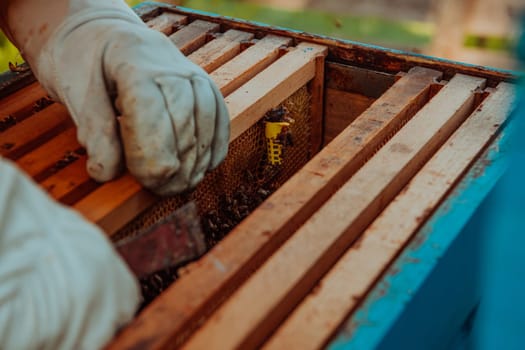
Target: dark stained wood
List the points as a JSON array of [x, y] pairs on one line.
[[341, 108], [317, 96], [357, 80], [366, 56]]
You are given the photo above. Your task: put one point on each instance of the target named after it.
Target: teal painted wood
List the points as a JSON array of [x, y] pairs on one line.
[[420, 290]]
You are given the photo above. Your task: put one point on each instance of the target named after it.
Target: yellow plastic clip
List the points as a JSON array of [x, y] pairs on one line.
[[274, 142]]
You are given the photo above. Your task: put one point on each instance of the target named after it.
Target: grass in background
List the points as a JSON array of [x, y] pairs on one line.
[[404, 35], [9, 53], [411, 36]]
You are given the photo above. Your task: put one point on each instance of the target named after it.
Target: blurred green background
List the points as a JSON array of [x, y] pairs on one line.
[[405, 34], [9, 53]]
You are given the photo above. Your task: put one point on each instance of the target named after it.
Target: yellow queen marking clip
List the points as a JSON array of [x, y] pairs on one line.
[[274, 142]]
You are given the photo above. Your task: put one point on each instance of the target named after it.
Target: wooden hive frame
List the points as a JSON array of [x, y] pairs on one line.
[[398, 130]]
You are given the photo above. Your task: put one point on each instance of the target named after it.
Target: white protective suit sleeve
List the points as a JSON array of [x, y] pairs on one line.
[[62, 286], [102, 61]]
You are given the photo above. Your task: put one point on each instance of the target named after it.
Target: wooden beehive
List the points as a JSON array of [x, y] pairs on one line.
[[389, 135]]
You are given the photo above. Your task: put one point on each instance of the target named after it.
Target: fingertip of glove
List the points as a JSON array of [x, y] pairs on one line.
[[100, 172], [171, 188], [196, 179], [218, 157]]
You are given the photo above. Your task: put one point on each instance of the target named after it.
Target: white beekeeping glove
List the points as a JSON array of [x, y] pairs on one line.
[[101, 61], [62, 286]]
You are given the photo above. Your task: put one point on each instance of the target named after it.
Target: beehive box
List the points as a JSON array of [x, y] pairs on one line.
[[380, 140]]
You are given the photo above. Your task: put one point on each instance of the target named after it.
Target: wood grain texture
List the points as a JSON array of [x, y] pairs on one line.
[[220, 50], [113, 204], [21, 101], [193, 36], [24, 136], [71, 183], [358, 80], [317, 97], [167, 22], [249, 316], [49, 153], [354, 274], [125, 198], [176, 312], [272, 86], [341, 109], [250, 62]]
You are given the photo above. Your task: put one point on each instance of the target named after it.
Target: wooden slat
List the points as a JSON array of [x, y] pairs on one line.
[[71, 183], [249, 316], [341, 108], [167, 22], [316, 90], [272, 86], [49, 153], [23, 99], [356, 272], [113, 204], [127, 192], [357, 80], [193, 36], [245, 66], [24, 136], [170, 319], [220, 50]]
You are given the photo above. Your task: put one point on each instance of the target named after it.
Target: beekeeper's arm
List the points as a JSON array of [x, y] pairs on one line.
[[62, 286], [136, 100]]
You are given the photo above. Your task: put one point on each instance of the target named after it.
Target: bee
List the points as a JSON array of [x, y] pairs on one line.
[[7, 122], [18, 68], [42, 103]]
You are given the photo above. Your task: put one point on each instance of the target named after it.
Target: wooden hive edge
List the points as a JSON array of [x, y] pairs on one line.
[[340, 291], [175, 313], [248, 317]]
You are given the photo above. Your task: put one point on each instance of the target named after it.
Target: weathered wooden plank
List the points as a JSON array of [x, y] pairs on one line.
[[342, 108], [249, 316], [113, 204], [357, 80], [350, 279], [24, 136], [272, 86], [22, 100], [193, 36], [176, 312], [70, 184], [317, 92], [167, 22], [45, 156], [220, 50], [245, 66]]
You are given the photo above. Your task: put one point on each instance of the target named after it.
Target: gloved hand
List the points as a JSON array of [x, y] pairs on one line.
[[62, 286], [101, 61]]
